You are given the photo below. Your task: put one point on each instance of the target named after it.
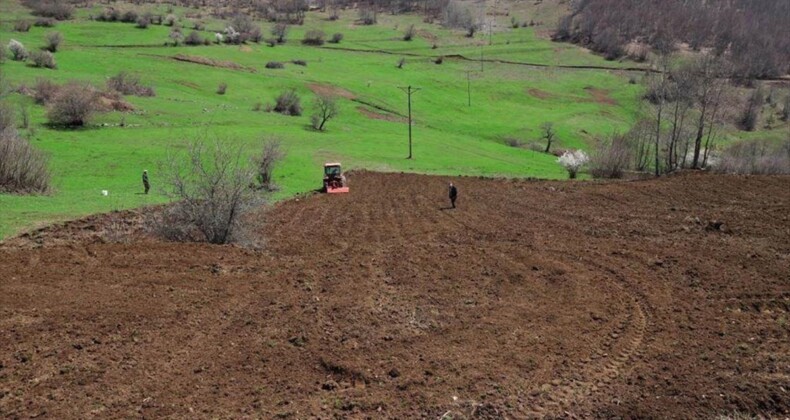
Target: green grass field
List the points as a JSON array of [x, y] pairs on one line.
[[450, 137]]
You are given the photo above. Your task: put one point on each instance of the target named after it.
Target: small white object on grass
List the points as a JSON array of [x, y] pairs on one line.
[[105, 193]]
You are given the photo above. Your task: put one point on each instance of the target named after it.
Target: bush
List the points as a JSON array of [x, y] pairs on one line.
[[72, 106], [611, 158], [439, 60], [58, 9], [129, 84], [222, 88], [271, 154], [754, 157], [367, 15], [170, 20], [193, 38], [288, 103], [336, 38], [176, 36], [2, 54], [314, 37], [255, 35], [274, 65], [53, 41], [210, 185], [514, 142], [401, 62], [23, 169], [751, 113], [44, 91], [43, 59], [7, 120], [18, 51], [280, 32], [143, 22], [408, 35], [22, 26], [45, 22], [573, 161], [299, 62], [130, 16]]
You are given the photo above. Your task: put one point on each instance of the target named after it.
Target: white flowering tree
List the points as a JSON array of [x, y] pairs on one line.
[[572, 161], [18, 51]]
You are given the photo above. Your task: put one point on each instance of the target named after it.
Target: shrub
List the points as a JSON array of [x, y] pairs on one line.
[[198, 26], [170, 20], [408, 35], [336, 38], [367, 15], [143, 22], [210, 184], [193, 38], [18, 51], [2, 54], [176, 36], [313, 37], [129, 84], [53, 41], [754, 157], [255, 35], [58, 9], [439, 60], [324, 109], [257, 107], [458, 16], [23, 169], [514, 142], [751, 113], [130, 16], [299, 62], [72, 106], [222, 88], [44, 91], [7, 121], [22, 26], [45, 22], [274, 65], [43, 59], [573, 161], [288, 103], [271, 154], [401, 62], [611, 158], [280, 32]]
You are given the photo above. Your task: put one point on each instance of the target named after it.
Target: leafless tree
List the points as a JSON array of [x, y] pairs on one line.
[[658, 85], [280, 31], [210, 184], [324, 108], [548, 133], [271, 154], [23, 169]]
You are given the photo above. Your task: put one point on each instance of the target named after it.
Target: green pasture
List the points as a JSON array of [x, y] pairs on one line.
[[450, 137]]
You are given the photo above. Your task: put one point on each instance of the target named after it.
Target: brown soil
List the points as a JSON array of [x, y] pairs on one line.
[[664, 298], [380, 115], [540, 94], [211, 62], [322, 89], [600, 96]]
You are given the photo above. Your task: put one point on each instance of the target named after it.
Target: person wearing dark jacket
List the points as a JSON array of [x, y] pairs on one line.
[[453, 194], [146, 184]]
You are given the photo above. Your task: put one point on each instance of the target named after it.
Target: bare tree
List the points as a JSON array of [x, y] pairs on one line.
[[548, 134], [279, 32], [271, 155], [210, 183], [658, 83], [23, 169], [324, 108]]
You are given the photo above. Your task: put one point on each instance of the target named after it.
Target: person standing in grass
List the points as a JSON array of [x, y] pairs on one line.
[[146, 184], [453, 194]]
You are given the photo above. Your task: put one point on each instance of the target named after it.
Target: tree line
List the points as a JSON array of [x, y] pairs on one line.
[[752, 34]]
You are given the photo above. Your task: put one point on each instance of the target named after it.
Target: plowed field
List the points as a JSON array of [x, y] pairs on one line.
[[660, 298]]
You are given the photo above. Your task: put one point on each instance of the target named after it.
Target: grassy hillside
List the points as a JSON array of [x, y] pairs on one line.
[[450, 137]]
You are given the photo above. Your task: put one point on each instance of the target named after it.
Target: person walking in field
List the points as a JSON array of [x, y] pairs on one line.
[[146, 184], [453, 194]]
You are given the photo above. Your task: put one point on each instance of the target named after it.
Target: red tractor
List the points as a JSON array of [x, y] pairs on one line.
[[334, 180]]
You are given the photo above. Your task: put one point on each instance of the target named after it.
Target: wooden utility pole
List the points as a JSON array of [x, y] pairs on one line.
[[468, 88], [409, 90]]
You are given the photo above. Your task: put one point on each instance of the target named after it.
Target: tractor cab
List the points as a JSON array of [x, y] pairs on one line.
[[334, 180]]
